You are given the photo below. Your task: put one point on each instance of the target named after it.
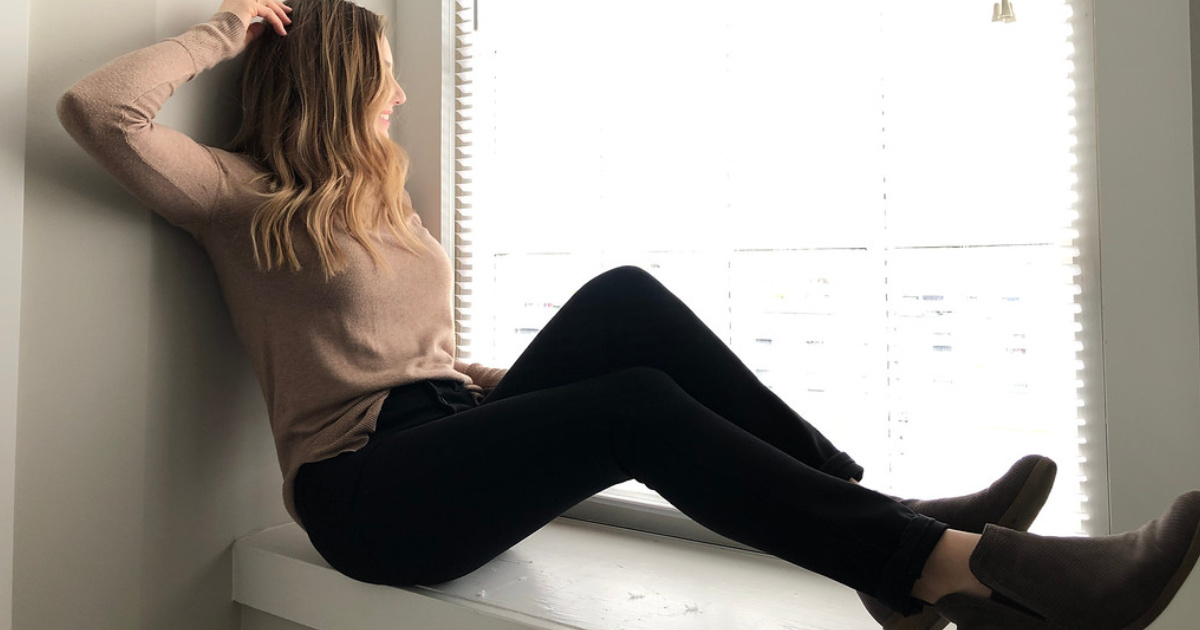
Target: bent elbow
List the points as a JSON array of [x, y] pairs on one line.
[[73, 113], [82, 116]]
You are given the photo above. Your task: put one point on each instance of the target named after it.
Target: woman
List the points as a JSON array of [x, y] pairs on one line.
[[407, 466]]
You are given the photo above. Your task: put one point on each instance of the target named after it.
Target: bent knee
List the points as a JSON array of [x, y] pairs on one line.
[[628, 272], [625, 280], [645, 382]]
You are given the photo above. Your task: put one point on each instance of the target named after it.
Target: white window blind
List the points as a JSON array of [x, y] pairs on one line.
[[876, 204]]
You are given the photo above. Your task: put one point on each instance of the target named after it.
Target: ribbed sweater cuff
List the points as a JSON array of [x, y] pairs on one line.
[[214, 41]]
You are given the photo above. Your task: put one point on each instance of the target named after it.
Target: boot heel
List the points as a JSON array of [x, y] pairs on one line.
[[977, 613], [927, 619]]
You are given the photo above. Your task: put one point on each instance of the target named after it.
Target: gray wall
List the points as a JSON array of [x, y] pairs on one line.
[[14, 63], [143, 446]]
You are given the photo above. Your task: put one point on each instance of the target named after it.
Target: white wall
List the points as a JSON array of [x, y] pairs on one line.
[[14, 63], [1148, 254], [1148, 263], [424, 74]]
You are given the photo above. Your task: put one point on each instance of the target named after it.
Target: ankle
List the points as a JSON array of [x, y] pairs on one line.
[[947, 570]]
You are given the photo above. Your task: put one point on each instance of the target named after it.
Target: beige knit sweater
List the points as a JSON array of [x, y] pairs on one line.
[[325, 352]]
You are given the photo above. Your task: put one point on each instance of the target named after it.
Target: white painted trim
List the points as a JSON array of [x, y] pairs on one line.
[[282, 582], [255, 619], [568, 575], [647, 517]]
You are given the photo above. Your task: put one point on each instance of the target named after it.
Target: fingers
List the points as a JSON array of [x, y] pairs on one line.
[[274, 13]]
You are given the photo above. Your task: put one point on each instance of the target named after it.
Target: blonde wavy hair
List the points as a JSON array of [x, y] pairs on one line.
[[309, 101]]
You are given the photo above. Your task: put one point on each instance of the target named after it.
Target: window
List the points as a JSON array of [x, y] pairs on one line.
[[876, 204]]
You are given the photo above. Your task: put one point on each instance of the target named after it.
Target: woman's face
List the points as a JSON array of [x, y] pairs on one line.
[[393, 95]]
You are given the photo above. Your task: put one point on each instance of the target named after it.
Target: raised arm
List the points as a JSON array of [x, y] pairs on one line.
[[110, 113]]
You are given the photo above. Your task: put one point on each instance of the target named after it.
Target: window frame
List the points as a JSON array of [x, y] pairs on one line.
[[1150, 355]]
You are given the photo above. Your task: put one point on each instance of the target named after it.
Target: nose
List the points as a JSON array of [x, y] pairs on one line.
[[398, 96]]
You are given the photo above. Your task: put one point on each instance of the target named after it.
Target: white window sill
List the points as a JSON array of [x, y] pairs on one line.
[[570, 574]]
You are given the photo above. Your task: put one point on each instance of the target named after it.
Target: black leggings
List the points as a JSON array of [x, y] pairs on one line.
[[624, 382]]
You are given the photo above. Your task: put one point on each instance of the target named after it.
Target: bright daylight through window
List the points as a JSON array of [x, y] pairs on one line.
[[876, 204]]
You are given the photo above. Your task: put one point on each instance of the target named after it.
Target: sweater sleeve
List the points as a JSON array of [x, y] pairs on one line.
[[110, 113]]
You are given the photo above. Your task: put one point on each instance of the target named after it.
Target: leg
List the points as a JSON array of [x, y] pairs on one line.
[[625, 318], [439, 500]]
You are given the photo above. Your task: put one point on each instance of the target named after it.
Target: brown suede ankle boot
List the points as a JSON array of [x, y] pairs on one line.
[[1012, 501], [1120, 582]]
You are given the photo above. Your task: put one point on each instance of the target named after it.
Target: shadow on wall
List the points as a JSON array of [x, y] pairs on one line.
[[211, 471]]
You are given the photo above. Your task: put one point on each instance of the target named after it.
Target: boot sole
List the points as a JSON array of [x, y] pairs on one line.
[[1172, 587], [1020, 515]]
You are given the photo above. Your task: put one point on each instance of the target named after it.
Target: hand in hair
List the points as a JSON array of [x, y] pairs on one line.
[[272, 12]]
